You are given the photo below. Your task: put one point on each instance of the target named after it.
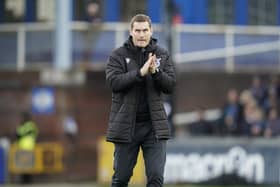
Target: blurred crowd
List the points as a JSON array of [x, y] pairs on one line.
[[253, 112]]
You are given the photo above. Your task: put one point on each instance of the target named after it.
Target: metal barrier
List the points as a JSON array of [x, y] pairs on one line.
[[228, 48], [45, 158]]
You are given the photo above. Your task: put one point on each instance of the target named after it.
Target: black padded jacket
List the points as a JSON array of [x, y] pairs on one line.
[[123, 75]]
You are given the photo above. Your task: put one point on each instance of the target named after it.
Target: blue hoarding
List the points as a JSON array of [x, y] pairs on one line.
[[3, 171], [203, 160]]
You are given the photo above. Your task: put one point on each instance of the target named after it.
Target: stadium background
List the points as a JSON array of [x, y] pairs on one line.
[[223, 42]]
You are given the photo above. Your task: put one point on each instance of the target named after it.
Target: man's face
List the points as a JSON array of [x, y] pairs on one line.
[[141, 34]]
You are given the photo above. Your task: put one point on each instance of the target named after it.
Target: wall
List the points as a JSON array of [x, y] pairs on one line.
[[90, 105]]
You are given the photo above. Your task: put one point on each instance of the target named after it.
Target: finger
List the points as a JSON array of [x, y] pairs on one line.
[[148, 63], [154, 57], [152, 62]]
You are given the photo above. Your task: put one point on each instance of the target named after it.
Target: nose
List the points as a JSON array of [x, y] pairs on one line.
[[141, 34]]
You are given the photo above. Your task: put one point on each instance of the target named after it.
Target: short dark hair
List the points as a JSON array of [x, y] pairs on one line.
[[140, 18]]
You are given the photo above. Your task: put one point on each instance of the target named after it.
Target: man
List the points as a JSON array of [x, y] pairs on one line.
[[26, 134], [139, 73], [201, 127], [92, 11]]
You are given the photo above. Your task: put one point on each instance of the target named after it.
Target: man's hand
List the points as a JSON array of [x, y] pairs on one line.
[[153, 66], [148, 65]]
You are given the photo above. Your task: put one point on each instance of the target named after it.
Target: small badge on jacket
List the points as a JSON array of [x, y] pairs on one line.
[[158, 62], [127, 60]]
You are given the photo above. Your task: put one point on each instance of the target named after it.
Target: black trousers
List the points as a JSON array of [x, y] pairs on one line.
[[154, 153]]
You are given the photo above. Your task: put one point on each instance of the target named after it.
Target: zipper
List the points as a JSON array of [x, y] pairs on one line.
[[147, 93], [140, 58]]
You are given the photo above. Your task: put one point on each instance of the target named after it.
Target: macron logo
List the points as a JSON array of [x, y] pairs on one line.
[[127, 60]]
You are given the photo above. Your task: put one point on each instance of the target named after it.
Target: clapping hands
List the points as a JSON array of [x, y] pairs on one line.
[[150, 66]]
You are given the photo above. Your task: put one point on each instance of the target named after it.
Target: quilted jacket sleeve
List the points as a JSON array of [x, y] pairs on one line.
[[117, 76], [165, 79]]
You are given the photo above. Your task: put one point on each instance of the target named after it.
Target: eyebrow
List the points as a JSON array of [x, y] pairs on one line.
[[141, 29]]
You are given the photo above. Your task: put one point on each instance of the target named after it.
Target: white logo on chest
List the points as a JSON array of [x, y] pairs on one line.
[[158, 62], [127, 60]]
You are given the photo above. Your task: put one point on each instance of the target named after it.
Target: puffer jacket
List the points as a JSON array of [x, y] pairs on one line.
[[123, 75]]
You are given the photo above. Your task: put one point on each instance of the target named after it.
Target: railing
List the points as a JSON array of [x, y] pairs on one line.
[[230, 48], [256, 40], [25, 34]]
